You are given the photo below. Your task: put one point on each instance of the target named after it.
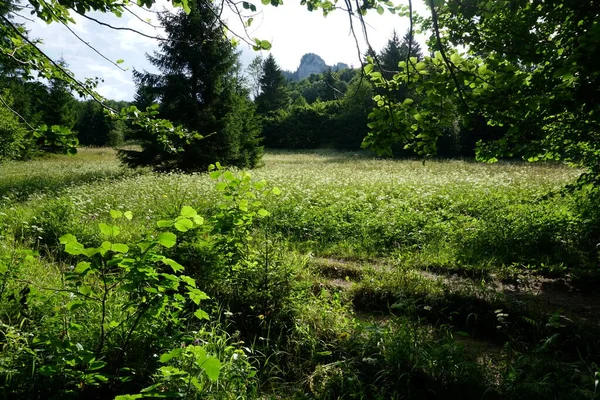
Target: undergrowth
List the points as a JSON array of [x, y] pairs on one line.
[[322, 276]]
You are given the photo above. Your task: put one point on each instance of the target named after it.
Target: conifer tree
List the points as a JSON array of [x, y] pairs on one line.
[[60, 104], [274, 94], [199, 88]]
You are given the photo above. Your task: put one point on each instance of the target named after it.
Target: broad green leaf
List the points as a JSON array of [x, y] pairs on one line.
[[380, 10], [120, 61], [75, 248], [183, 225], [115, 214], [128, 215], [164, 224], [276, 191], [109, 230], [265, 45], [197, 295], [201, 314], [229, 176], [119, 248], [167, 239], [262, 212], [187, 211], [170, 355], [64, 239], [190, 281], [212, 367], [82, 267], [72, 305], [175, 266], [198, 220]]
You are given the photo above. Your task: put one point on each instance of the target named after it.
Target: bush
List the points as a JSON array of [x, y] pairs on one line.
[[14, 142]]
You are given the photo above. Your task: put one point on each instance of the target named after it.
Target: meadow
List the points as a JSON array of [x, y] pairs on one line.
[[323, 275]]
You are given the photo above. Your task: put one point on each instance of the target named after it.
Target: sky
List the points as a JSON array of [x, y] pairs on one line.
[[291, 29]]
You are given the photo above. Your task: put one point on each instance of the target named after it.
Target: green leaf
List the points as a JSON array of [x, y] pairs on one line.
[[201, 314], [229, 176], [183, 225], [198, 220], [167, 239], [82, 267], [164, 224], [212, 367], [265, 45], [170, 355], [119, 248], [276, 191], [75, 248], [263, 213], [72, 305], [175, 266], [197, 295], [186, 7], [64, 239], [128, 215], [190, 281], [380, 10], [109, 230], [115, 214], [187, 211], [120, 61], [368, 68]]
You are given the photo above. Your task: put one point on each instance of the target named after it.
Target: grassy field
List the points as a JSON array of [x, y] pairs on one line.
[[369, 279]]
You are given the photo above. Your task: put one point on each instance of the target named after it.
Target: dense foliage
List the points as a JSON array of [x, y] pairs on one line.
[[527, 67], [197, 88]]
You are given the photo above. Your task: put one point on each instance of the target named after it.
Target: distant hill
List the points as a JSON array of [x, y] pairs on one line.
[[311, 63]]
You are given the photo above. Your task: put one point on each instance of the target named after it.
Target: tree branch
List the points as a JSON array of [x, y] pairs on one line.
[[55, 64], [16, 113], [448, 63]]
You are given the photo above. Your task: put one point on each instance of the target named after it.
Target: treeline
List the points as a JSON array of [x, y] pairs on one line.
[[54, 104], [331, 110]]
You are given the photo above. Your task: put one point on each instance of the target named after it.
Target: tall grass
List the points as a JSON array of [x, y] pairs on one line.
[[363, 275]]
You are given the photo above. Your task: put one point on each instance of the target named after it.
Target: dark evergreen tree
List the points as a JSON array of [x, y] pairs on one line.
[[94, 128], [331, 92], [274, 94], [390, 56], [198, 87], [396, 51], [60, 104]]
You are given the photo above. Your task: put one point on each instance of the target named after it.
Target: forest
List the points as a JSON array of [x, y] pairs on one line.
[[423, 226]]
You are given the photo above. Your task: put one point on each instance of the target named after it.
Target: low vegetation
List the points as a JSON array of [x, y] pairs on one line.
[[323, 275]]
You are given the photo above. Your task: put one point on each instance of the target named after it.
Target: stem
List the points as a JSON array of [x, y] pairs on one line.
[[104, 298]]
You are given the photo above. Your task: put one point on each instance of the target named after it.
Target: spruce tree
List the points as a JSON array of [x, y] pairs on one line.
[[199, 88], [396, 51], [60, 104], [274, 94]]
